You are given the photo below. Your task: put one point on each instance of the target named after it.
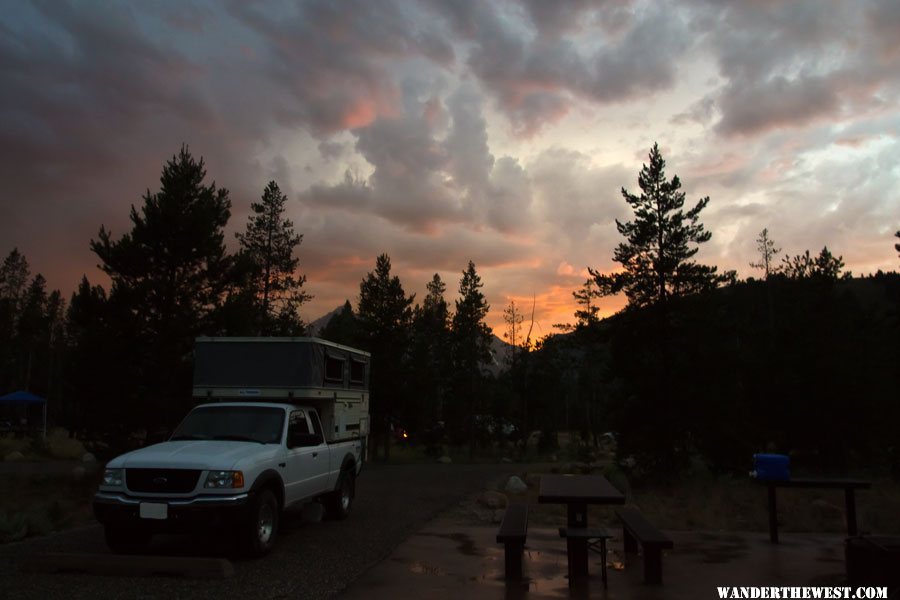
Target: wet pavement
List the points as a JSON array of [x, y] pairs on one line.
[[449, 560]]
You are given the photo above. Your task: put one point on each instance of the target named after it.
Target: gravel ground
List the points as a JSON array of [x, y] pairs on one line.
[[311, 559]]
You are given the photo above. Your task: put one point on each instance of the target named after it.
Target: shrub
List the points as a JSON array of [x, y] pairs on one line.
[[13, 527], [60, 445]]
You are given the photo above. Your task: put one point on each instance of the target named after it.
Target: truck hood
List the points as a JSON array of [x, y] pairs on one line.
[[194, 454]]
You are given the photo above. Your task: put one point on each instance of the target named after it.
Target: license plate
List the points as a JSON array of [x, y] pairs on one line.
[[153, 510]]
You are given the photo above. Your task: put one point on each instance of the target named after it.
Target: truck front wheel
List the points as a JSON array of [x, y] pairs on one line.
[[261, 527], [338, 502]]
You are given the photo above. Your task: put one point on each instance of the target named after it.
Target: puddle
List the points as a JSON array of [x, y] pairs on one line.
[[419, 567], [422, 568], [465, 544]]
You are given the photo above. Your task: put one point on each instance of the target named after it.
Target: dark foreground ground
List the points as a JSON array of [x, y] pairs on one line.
[[448, 559], [311, 560]]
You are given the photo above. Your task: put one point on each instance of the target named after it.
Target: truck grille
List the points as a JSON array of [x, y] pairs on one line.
[[162, 481]]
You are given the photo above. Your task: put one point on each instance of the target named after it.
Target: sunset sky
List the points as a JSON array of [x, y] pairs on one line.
[[442, 131]]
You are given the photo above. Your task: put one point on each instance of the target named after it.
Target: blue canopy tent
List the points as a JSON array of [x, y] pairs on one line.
[[26, 399]]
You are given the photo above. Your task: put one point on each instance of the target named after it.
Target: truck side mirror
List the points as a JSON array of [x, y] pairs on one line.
[[303, 440]]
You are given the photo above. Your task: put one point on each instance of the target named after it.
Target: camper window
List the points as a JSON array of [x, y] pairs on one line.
[[334, 368], [357, 371]]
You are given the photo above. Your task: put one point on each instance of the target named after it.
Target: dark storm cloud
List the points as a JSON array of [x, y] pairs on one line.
[[405, 185], [776, 103], [536, 80], [700, 112], [884, 21], [334, 58], [415, 100], [787, 65], [555, 18], [82, 93], [424, 177]]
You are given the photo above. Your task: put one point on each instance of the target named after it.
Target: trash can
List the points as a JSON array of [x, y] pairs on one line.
[[771, 467]]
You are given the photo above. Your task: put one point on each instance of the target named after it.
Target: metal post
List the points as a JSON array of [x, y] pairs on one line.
[[773, 515], [653, 565], [578, 557], [850, 498]]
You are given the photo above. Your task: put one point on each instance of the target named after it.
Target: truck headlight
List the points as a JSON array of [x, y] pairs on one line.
[[112, 477], [224, 479]]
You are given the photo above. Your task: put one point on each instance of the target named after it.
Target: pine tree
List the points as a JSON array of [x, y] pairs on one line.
[[435, 305], [268, 245], [661, 241], [32, 329], [587, 315], [824, 267], [14, 273], [93, 401], [767, 251], [471, 343], [429, 356], [169, 275], [172, 264], [342, 328], [472, 336], [827, 265], [384, 315]]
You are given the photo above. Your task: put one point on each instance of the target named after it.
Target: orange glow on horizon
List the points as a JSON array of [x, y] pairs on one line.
[[555, 305]]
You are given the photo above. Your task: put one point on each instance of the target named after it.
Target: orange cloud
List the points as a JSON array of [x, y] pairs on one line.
[[361, 114]]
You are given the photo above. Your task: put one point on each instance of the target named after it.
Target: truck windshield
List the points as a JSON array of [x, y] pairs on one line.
[[259, 424]]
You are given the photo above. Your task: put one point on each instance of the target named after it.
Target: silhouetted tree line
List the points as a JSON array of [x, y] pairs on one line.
[[121, 360], [699, 365], [429, 365], [32, 333]]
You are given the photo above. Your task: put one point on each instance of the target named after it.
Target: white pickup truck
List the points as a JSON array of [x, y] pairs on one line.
[[235, 465]]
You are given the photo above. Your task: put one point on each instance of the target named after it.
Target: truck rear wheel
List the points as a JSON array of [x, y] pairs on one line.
[[261, 527], [126, 540], [338, 502]]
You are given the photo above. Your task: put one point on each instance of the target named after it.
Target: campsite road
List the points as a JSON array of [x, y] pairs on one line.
[[311, 559]]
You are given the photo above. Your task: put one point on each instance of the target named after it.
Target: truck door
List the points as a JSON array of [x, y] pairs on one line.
[[305, 459], [324, 467]]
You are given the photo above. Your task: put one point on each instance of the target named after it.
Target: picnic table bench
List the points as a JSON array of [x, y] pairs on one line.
[[595, 540], [513, 530], [848, 485], [638, 529]]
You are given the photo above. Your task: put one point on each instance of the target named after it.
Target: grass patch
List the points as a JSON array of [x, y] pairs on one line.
[[703, 502], [42, 505]]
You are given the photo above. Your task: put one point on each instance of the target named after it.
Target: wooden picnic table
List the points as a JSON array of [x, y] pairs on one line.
[[576, 492], [848, 485]]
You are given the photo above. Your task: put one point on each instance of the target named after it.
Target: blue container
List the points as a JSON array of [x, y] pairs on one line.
[[772, 466]]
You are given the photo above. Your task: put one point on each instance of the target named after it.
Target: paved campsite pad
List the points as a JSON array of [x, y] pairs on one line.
[[449, 560], [311, 560]]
